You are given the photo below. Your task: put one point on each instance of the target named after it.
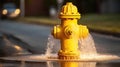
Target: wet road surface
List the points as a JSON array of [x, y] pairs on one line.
[[36, 36]]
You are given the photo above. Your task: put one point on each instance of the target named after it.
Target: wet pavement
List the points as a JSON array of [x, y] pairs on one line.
[[36, 36], [57, 64]]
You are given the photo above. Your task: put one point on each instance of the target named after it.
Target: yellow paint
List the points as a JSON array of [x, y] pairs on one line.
[[69, 32], [69, 64]]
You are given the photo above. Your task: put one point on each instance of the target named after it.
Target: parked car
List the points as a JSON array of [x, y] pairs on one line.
[[9, 10]]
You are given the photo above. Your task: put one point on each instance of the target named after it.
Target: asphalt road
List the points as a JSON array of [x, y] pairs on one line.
[[37, 37]]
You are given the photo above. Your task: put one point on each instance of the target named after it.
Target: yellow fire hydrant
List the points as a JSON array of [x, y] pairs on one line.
[[69, 32]]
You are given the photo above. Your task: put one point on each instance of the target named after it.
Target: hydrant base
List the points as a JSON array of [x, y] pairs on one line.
[[69, 55]]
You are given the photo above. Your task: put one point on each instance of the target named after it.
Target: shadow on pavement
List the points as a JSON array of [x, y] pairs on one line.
[[12, 46]]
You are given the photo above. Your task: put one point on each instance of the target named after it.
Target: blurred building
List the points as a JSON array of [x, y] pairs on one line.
[[41, 7], [98, 6], [109, 6], [35, 8]]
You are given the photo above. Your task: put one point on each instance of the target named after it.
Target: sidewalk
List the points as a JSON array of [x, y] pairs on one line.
[[105, 24]]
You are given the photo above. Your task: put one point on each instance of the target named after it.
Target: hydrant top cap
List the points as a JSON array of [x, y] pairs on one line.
[[69, 11]]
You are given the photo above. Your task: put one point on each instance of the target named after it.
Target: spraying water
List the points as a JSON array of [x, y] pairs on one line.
[[53, 46], [86, 47]]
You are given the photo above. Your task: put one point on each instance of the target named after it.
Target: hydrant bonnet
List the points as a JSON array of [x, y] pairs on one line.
[[69, 11]]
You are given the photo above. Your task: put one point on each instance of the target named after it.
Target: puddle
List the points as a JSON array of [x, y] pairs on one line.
[[58, 64], [88, 58]]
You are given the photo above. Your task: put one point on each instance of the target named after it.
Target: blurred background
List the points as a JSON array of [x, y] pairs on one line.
[[95, 13], [43, 7]]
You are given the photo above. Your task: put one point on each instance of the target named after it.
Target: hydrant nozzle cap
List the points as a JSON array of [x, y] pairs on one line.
[[69, 11]]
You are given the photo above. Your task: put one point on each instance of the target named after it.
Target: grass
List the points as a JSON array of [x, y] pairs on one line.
[[105, 23], [39, 20]]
